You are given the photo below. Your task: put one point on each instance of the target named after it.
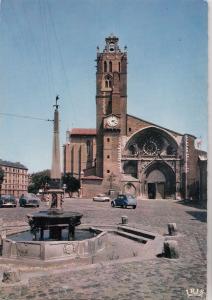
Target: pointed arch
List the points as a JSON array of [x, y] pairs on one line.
[[108, 81], [105, 66], [166, 143], [110, 66]]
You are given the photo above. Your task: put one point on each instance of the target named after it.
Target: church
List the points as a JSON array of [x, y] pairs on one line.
[[126, 154]]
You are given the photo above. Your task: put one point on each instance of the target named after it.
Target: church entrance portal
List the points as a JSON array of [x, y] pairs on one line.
[[151, 190], [159, 182], [156, 190]]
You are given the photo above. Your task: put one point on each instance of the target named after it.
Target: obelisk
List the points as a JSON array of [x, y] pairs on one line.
[[55, 191], [56, 169]]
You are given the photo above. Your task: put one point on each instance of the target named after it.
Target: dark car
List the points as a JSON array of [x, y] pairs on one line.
[[124, 201], [8, 200], [29, 200]]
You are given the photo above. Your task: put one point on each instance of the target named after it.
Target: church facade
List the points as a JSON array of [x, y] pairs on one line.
[[127, 154]]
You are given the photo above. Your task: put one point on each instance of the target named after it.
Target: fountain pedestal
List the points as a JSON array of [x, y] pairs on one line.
[[54, 222]]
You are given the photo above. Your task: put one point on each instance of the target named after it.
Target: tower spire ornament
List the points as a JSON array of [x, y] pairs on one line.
[[56, 99]]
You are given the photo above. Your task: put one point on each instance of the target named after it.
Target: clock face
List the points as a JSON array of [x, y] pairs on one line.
[[112, 121]]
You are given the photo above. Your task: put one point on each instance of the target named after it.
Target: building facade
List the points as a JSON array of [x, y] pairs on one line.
[[16, 179], [128, 154]]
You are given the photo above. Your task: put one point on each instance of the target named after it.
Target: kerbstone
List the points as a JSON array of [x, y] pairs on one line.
[[171, 249], [124, 220], [172, 229]]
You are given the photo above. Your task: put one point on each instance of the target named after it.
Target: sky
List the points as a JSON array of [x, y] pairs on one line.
[[48, 47]]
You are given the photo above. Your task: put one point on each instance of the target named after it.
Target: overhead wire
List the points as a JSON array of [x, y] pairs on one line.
[[45, 47], [25, 117], [19, 26], [58, 43], [31, 36], [45, 16]]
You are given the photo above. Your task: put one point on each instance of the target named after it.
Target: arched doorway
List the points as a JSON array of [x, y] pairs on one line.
[[129, 189], [160, 181], [156, 185]]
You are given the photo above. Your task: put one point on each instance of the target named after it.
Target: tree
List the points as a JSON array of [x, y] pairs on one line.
[[72, 184], [38, 181], [1, 178]]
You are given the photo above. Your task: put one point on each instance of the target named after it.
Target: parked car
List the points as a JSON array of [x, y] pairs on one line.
[[29, 200], [124, 201], [8, 200], [101, 198]]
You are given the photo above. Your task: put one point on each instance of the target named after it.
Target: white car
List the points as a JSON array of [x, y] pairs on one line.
[[101, 198]]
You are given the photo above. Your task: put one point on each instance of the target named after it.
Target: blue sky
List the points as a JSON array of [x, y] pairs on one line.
[[48, 47]]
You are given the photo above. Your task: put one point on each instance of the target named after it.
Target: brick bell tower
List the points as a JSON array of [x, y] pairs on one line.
[[111, 106]]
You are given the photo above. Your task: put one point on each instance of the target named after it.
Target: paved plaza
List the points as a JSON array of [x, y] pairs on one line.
[[129, 278]]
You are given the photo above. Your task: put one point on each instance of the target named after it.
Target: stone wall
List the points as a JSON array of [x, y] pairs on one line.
[[54, 250], [135, 124], [91, 187]]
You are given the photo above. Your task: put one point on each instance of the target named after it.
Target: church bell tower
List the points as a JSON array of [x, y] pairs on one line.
[[111, 106]]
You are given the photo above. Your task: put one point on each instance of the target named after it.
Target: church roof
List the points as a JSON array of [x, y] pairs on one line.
[[83, 131], [150, 123]]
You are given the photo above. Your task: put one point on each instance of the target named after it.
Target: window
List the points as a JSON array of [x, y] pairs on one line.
[[88, 144], [108, 171], [108, 139], [108, 156], [170, 150], [105, 66], [108, 81], [130, 129], [119, 67], [110, 66]]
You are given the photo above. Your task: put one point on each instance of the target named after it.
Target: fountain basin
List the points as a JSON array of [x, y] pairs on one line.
[[48, 250], [55, 220]]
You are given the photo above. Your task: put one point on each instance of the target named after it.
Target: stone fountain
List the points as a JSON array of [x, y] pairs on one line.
[[54, 219], [52, 235]]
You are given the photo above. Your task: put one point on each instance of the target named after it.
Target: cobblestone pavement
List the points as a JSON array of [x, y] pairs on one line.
[[156, 279]]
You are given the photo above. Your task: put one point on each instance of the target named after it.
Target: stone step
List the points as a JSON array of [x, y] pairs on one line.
[[131, 236], [135, 231]]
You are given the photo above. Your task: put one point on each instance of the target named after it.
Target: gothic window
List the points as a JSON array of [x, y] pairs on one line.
[[105, 66], [110, 66], [108, 81], [119, 67], [88, 144], [130, 167], [132, 149], [170, 150]]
